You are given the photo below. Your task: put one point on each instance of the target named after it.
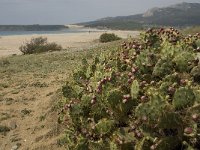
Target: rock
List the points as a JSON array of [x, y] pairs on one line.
[[15, 139], [39, 138], [13, 125], [15, 147]]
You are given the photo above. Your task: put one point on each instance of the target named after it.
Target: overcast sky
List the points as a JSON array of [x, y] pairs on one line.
[[73, 11]]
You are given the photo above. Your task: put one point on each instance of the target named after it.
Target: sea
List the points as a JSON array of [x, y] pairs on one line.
[[69, 30]]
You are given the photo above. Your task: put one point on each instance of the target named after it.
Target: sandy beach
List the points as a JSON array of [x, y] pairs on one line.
[[10, 44]]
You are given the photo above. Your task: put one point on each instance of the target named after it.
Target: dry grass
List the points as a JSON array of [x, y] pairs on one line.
[[30, 91], [191, 30]]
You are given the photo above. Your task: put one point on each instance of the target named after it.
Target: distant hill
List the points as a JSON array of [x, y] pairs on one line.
[[179, 15], [32, 27]]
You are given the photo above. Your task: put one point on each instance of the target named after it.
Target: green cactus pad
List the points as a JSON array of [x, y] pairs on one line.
[[197, 95], [86, 104], [82, 145], [181, 61], [153, 109], [104, 126], [183, 98], [126, 137], [89, 72], [76, 114], [144, 144], [98, 145], [135, 89], [164, 87], [78, 76], [113, 146], [169, 143], [170, 120], [196, 73], [163, 67], [68, 91], [114, 98]]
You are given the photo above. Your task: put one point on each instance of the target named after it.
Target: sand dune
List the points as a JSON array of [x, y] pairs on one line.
[[10, 44]]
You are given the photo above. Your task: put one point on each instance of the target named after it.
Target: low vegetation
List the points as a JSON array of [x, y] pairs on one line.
[[115, 24], [191, 30], [39, 45], [4, 129], [32, 84], [32, 27], [108, 37], [142, 96]]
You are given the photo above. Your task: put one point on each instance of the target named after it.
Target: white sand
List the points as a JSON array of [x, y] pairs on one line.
[[10, 44]]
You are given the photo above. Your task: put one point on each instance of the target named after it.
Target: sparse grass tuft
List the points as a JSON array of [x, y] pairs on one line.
[[42, 117], [39, 84], [26, 111], [4, 62], [4, 129], [4, 85]]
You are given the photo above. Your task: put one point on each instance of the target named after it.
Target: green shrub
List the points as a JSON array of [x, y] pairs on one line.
[[137, 97], [39, 45], [108, 37]]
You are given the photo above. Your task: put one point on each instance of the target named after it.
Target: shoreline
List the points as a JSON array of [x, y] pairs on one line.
[[9, 45]]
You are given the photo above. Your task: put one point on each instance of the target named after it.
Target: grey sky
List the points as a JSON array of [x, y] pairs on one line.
[[72, 11]]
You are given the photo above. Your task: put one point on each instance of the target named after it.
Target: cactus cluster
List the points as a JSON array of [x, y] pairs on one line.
[[144, 96]]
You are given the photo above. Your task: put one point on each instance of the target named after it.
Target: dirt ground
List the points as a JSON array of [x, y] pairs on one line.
[[30, 91], [28, 112], [28, 108]]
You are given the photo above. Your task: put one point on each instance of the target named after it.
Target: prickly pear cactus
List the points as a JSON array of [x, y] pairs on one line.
[[163, 67], [144, 96], [181, 60], [135, 89], [183, 97], [195, 72]]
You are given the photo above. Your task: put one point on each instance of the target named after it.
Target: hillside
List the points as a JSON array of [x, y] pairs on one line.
[[32, 27], [179, 15]]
